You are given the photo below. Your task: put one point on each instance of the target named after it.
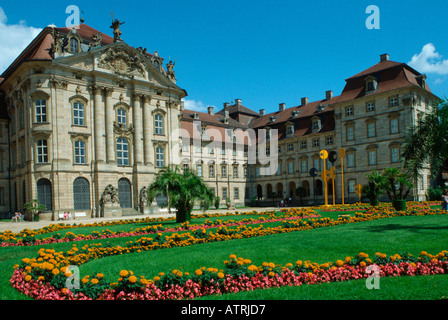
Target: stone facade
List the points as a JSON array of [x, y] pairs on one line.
[[80, 111]]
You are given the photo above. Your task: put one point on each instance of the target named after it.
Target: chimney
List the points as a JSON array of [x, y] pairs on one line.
[[384, 57], [262, 112], [210, 110], [281, 107], [328, 94], [304, 101], [238, 102], [226, 113]]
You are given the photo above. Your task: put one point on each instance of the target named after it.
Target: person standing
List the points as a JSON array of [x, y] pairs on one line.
[[445, 200]]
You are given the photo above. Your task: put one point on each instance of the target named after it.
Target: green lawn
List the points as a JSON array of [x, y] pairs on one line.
[[392, 235]]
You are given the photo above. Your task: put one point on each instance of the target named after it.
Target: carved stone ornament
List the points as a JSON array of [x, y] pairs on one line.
[[109, 196], [122, 131], [121, 63], [96, 40]]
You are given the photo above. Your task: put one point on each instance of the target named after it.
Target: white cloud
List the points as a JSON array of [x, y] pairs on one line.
[[429, 61], [13, 39], [195, 105]]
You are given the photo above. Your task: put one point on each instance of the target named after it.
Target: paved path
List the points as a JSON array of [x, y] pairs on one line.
[[18, 226]]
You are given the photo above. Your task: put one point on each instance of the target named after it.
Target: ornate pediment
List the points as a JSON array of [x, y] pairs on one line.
[[121, 63], [122, 131]]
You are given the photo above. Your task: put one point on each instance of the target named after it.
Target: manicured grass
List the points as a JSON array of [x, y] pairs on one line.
[[392, 235]]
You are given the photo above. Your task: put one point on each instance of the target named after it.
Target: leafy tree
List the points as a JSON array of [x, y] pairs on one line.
[[427, 143], [183, 189], [35, 207], [396, 184], [373, 189]]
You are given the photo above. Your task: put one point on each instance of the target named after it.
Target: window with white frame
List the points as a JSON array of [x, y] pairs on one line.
[[78, 114], [121, 117], [349, 111], [329, 140], [316, 163], [393, 101], [370, 106], [160, 157], [42, 151], [290, 147], [74, 45], [236, 193], [80, 152], [158, 124], [316, 142], [199, 170], [211, 171], [224, 171], [122, 152], [224, 193], [235, 171], [303, 144], [41, 110]]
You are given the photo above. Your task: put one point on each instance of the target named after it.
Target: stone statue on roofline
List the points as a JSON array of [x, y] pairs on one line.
[[170, 70], [117, 32]]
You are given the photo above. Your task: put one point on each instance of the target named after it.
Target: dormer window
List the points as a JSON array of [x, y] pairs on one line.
[[316, 124], [289, 129], [74, 45], [371, 84]]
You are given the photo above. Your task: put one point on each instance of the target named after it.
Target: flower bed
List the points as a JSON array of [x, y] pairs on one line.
[[49, 268], [237, 274]]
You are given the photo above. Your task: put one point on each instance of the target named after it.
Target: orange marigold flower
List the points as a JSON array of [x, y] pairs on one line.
[[123, 273], [132, 279]]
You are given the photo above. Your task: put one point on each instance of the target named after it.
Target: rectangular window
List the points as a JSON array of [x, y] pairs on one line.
[[290, 167], [316, 142], [236, 193], [279, 169], [186, 167], [303, 144], [395, 155], [235, 172], [304, 166], [224, 193], [257, 172], [349, 111], [393, 101], [351, 186], [372, 157], [160, 157], [350, 133], [80, 152], [199, 170], [246, 172], [211, 171], [394, 126], [329, 141], [371, 132], [41, 110], [290, 147], [350, 160], [370, 106], [224, 171], [78, 114], [42, 151], [158, 124], [316, 163]]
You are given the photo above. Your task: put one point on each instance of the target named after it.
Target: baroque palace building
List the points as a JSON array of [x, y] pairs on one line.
[[80, 110]]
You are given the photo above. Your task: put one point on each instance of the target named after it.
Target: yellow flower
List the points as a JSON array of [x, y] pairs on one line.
[[123, 273], [232, 256], [240, 263], [94, 281], [299, 263], [156, 278], [247, 261], [339, 263], [132, 279], [99, 275], [220, 275], [55, 271], [198, 272], [271, 274]]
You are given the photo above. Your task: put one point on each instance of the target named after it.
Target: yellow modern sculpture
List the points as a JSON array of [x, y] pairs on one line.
[[324, 155], [341, 155]]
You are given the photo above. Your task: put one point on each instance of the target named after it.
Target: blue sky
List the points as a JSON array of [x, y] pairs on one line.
[[263, 52]]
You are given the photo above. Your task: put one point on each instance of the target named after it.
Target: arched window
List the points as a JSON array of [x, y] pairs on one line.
[[122, 152], [80, 152], [158, 124], [44, 193], [74, 45], [42, 151], [81, 194], [160, 157], [78, 114], [121, 117], [124, 193]]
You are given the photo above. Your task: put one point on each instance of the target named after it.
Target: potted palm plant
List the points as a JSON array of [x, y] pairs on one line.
[[397, 187], [34, 207], [373, 189]]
